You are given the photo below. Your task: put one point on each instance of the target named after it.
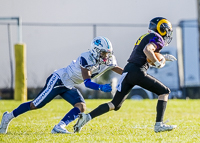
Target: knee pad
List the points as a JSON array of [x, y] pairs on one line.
[[169, 91], [165, 95]]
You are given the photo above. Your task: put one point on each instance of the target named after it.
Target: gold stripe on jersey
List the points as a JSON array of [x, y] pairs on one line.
[[140, 39]]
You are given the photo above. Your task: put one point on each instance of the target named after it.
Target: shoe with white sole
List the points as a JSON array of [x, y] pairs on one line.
[[60, 128], [4, 123], [161, 127], [82, 120]]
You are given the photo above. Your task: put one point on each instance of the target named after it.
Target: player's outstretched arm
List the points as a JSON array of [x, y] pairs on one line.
[[118, 70], [92, 85]]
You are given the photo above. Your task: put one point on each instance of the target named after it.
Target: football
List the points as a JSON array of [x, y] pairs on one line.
[[159, 56]]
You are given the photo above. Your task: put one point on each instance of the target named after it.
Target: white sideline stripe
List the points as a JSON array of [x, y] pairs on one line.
[[48, 89], [119, 85]]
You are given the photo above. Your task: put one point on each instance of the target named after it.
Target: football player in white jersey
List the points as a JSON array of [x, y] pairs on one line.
[[88, 65]]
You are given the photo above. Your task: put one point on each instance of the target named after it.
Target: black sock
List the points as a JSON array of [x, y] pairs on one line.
[[103, 108], [161, 106]]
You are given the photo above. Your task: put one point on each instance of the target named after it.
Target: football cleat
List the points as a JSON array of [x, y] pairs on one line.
[[161, 127], [82, 120], [60, 128], [4, 123]]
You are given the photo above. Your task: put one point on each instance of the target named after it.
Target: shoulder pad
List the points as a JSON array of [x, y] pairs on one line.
[[158, 40], [86, 60]]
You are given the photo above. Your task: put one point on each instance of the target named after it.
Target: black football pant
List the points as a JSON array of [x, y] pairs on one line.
[[137, 76]]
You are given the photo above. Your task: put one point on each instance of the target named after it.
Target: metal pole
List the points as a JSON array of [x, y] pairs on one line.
[[198, 7], [11, 60], [96, 92], [19, 29], [19, 23], [94, 30]]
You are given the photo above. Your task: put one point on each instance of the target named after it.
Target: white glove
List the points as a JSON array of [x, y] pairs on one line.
[[169, 57], [160, 64]]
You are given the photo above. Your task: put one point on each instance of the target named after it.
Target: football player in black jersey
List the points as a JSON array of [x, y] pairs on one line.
[[135, 73]]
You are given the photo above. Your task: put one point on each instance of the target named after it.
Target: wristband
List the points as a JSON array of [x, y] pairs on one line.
[[157, 64]]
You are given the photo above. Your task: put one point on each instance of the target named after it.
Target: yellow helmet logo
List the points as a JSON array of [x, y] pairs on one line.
[[161, 22]]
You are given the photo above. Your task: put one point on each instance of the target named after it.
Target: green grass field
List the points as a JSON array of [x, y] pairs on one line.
[[132, 123]]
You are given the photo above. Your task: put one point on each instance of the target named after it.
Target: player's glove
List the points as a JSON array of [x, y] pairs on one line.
[[105, 88], [160, 64], [169, 57]]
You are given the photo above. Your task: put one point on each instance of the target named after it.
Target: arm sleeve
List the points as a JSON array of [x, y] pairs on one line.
[[91, 85]]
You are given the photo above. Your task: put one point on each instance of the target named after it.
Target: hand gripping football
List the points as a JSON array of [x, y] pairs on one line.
[[159, 56]]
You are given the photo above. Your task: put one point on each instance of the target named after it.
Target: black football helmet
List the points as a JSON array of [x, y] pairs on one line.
[[163, 27]]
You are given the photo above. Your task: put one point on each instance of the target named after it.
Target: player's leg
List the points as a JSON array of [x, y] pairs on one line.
[[154, 85], [46, 95], [127, 81], [119, 97], [7, 117], [115, 104], [75, 98]]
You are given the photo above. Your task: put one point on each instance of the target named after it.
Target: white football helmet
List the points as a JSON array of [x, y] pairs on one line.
[[101, 49]]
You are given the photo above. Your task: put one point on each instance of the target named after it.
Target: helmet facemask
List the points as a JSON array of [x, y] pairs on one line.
[[166, 32], [168, 37], [103, 56]]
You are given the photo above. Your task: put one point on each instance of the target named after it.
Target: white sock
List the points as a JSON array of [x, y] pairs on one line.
[[62, 123], [158, 123]]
